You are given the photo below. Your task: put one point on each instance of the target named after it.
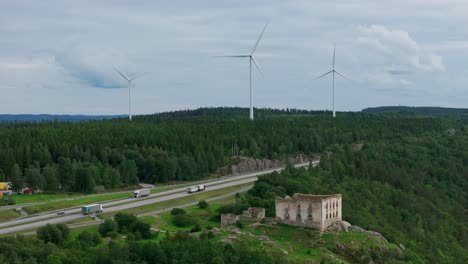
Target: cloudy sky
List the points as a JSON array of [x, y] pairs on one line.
[[57, 56]]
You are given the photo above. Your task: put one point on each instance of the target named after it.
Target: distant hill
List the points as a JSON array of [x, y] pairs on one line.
[[434, 111], [61, 118]]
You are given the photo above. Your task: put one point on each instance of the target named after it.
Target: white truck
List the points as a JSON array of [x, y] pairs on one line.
[[92, 208], [141, 193], [197, 188]]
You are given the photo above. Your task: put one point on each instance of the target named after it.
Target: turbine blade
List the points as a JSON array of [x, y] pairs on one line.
[[233, 56], [121, 74], [334, 48], [259, 38], [138, 76], [322, 75], [256, 65], [343, 76]]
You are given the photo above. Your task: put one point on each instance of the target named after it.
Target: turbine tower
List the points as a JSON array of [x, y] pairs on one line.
[[332, 71], [251, 60], [129, 80]]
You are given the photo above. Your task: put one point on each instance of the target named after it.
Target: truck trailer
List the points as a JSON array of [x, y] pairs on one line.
[[92, 208], [141, 193], [197, 188]]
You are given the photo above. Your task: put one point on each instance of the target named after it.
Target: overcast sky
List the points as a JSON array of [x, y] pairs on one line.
[[57, 56]]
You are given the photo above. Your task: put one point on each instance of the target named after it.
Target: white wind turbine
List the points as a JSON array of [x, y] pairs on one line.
[[129, 80], [251, 60], [332, 71]]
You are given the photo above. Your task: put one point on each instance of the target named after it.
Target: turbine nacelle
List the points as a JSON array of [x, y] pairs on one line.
[[251, 60], [129, 80], [332, 71]]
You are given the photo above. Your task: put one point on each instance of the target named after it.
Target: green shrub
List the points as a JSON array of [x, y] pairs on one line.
[[178, 211], [202, 204], [183, 220], [109, 226], [196, 228]]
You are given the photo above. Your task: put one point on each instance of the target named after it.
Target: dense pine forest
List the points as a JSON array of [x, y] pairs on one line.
[[411, 189], [408, 181], [184, 145]]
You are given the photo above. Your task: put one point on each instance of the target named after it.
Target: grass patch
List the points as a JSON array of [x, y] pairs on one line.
[[76, 231], [6, 215], [41, 197]]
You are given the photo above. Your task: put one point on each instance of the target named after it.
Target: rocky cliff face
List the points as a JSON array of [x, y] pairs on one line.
[[248, 164]]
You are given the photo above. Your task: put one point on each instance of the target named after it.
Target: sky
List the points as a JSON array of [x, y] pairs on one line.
[[57, 57]]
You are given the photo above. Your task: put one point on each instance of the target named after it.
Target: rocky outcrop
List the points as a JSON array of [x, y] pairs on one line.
[[339, 226], [248, 164], [347, 227]]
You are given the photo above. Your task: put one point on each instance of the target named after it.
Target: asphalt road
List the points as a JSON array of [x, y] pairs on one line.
[[98, 221], [35, 221]]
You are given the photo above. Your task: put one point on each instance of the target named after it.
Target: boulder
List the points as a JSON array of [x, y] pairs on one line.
[[339, 226], [356, 229]]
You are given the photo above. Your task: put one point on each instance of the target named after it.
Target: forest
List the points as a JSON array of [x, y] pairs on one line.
[[54, 245], [178, 146], [408, 181], [411, 189]]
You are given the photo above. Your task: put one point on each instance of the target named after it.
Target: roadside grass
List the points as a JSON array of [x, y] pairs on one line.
[[6, 215], [87, 219], [41, 197], [178, 201], [76, 231]]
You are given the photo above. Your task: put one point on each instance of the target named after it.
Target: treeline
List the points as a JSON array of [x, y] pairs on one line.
[[410, 189], [185, 145], [54, 246], [420, 110]]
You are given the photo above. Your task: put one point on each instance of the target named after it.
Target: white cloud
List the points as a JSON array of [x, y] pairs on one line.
[[397, 47]]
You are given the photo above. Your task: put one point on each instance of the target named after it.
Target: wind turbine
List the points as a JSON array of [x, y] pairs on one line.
[[251, 60], [333, 78], [129, 80]]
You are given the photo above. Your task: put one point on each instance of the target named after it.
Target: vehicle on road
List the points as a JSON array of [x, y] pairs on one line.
[[92, 208], [141, 193], [197, 188], [60, 212]]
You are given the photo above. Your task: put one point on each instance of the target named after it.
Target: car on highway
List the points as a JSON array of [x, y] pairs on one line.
[[60, 212]]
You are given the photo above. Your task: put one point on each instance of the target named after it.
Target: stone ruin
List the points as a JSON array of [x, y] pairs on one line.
[[255, 212], [306, 210], [229, 219], [251, 214]]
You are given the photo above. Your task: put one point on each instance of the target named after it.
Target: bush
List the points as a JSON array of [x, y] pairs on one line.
[[141, 230], [209, 227], [182, 220], [124, 221], [210, 234], [239, 225], [196, 228], [232, 208], [203, 235], [178, 211], [56, 234], [89, 239], [202, 204], [109, 226]]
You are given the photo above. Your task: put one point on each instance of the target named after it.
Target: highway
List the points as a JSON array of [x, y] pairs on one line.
[[98, 221], [39, 220]]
